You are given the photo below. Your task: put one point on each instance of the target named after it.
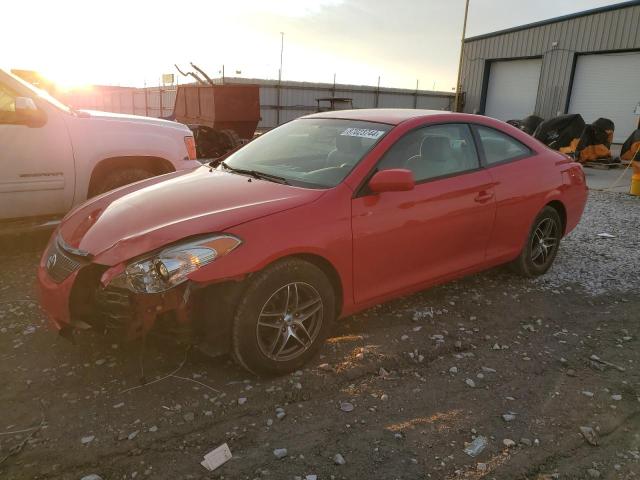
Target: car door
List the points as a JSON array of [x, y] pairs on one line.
[[36, 162], [521, 183], [441, 227]]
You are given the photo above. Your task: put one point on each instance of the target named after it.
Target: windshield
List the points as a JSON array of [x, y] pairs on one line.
[[311, 152], [44, 95]]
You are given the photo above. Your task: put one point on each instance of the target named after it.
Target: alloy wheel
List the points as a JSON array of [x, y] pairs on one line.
[[544, 241], [289, 321]]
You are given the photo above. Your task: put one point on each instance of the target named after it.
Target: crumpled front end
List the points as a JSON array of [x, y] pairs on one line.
[[74, 297]]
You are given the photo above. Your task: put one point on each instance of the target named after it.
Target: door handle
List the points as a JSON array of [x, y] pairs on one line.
[[484, 196]]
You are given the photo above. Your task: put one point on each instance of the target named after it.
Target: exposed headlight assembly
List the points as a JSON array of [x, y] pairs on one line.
[[171, 266]]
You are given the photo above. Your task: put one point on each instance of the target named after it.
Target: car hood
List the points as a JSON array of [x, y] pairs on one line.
[[121, 117], [139, 218]]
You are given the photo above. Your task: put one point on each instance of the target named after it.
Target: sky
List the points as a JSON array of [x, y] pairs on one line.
[[133, 42]]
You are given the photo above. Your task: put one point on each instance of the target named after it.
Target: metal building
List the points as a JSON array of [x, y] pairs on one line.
[[587, 63], [280, 102]]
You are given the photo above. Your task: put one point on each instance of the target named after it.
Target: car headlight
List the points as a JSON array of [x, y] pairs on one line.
[[171, 266]]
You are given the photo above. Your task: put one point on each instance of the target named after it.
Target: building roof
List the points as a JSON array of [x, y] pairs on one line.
[[391, 116], [584, 13]]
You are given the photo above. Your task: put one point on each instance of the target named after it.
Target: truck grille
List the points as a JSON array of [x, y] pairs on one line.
[[60, 264]]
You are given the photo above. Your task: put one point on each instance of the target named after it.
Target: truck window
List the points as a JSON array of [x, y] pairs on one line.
[[7, 105]]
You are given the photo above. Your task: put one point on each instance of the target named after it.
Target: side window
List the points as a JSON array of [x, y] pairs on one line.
[[433, 151], [499, 147], [7, 105]]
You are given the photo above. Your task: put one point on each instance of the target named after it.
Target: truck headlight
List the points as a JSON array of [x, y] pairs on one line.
[[171, 266]]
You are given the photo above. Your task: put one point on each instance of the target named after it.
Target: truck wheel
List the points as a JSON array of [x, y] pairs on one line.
[[118, 178], [232, 138], [541, 248], [283, 318]]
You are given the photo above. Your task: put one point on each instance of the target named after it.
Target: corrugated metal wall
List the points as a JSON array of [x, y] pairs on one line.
[[604, 31], [296, 99]]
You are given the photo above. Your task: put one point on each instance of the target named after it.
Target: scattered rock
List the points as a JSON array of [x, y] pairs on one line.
[[88, 439], [488, 370], [382, 372], [593, 473], [589, 435], [476, 447], [508, 417], [133, 434], [91, 476], [280, 413], [586, 393], [507, 442], [526, 442], [338, 459], [242, 400], [280, 453], [453, 370], [153, 429], [384, 397], [616, 398], [470, 383], [346, 407], [189, 417], [325, 366]]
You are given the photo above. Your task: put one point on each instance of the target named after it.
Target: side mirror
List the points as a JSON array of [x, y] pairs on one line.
[[27, 113], [393, 180]]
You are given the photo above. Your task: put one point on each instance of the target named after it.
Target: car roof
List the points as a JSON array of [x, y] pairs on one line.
[[392, 116]]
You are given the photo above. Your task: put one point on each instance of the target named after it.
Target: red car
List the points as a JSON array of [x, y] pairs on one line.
[[258, 253]]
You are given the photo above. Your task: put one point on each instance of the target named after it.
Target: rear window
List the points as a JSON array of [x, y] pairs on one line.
[[499, 147]]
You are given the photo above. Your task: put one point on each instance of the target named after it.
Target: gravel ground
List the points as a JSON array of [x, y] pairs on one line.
[[600, 264], [398, 392]]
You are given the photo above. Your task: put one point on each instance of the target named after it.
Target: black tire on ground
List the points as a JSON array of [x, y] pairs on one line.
[[121, 177], [294, 286], [541, 248], [232, 139]]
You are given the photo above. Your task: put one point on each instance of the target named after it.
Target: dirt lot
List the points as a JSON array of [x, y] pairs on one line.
[[425, 375]]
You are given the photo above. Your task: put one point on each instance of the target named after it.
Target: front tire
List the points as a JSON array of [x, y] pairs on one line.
[[119, 178], [541, 248], [283, 318]]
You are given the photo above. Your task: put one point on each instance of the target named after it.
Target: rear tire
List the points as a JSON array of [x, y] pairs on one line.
[[541, 248], [119, 178], [283, 318]]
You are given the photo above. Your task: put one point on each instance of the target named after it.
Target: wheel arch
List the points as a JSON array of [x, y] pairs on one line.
[[329, 270], [559, 207], [154, 165]]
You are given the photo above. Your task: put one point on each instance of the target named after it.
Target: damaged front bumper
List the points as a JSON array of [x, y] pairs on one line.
[[73, 295]]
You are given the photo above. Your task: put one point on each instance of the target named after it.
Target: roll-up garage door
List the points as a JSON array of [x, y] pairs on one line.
[[512, 89], [607, 85]]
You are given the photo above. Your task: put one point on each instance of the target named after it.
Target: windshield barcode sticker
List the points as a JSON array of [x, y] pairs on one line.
[[363, 133]]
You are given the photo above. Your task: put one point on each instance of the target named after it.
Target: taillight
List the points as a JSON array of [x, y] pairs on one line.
[[190, 143]]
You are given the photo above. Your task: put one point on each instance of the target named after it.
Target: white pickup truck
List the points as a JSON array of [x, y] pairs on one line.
[[53, 157]]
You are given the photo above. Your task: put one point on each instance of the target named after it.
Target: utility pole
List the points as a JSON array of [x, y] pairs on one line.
[[464, 31], [279, 79]]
